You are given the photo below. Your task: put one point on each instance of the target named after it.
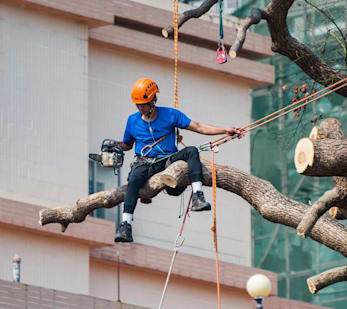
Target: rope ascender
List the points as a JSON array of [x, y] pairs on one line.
[[221, 54]]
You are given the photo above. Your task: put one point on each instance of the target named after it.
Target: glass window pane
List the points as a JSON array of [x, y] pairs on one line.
[[301, 253], [273, 259], [299, 289]]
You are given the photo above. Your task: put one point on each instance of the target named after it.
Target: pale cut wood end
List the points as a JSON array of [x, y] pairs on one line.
[[333, 211], [232, 54], [311, 286], [164, 33], [168, 181], [301, 234], [314, 133], [40, 217], [304, 155]]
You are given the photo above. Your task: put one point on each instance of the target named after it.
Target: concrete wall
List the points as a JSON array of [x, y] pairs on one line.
[[144, 288], [47, 128], [46, 261], [203, 96], [43, 107], [43, 137]]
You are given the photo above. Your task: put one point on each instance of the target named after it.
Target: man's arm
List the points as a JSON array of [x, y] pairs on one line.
[[207, 129], [125, 146]]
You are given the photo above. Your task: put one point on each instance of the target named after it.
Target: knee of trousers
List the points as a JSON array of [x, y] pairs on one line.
[[135, 182], [192, 151]]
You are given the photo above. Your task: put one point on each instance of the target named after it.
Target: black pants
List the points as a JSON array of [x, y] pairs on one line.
[[140, 173]]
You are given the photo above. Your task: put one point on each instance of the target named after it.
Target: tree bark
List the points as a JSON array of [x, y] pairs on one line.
[[271, 204], [327, 278], [300, 54], [275, 14], [315, 156], [338, 213], [255, 18], [185, 16], [322, 157], [312, 214]]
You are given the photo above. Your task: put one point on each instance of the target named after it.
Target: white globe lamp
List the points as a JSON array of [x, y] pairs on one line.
[[258, 287]]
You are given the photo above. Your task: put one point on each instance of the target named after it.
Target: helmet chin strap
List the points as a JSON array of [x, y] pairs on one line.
[[151, 110]]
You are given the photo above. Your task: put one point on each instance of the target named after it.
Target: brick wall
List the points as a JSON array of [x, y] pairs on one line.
[[22, 296]]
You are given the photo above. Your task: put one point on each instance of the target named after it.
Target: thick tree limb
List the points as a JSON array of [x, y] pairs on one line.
[[185, 16], [275, 14], [325, 157], [300, 54], [316, 156], [272, 205], [327, 278]]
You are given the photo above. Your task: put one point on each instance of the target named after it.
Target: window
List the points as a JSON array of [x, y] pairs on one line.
[[100, 179]]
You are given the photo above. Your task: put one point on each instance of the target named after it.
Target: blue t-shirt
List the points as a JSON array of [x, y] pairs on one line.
[[145, 133]]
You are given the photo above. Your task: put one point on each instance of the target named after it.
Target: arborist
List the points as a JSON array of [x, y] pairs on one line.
[[153, 131]]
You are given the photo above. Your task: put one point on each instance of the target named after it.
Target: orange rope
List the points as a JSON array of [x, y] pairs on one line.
[[175, 15], [251, 126], [214, 227], [297, 102]]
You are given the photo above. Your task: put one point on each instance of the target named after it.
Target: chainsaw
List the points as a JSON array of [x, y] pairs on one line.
[[111, 154]]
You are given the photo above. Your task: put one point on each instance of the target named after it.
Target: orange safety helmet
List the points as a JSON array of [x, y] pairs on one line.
[[144, 91]]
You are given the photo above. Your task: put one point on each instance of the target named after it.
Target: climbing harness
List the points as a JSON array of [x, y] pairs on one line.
[[221, 54], [178, 243], [148, 148]]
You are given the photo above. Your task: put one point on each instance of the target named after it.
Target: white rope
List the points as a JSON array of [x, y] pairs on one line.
[[178, 243]]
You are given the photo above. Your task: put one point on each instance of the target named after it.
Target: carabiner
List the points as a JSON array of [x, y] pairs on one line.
[[149, 150]]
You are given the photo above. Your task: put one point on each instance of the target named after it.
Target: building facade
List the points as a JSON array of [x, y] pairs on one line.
[[67, 68]]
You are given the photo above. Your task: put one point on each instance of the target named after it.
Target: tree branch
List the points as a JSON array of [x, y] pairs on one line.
[[323, 204], [300, 54], [271, 204], [321, 157], [327, 278], [315, 156], [338, 213], [275, 14], [255, 18], [185, 16]]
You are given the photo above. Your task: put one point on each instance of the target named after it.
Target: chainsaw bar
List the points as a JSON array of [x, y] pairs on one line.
[[96, 157]]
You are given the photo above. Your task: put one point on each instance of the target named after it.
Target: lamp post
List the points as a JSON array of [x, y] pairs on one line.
[[258, 287]]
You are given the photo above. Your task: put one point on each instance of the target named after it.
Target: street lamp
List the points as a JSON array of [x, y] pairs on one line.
[[258, 287]]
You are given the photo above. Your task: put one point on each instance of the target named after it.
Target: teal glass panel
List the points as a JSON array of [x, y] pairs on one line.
[[261, 226], [334, 296], [270, 254], [299, 289], [327, 255], [282, 287], [301, 253]]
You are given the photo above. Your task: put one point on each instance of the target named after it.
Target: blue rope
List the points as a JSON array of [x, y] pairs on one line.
[[221, 33]]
